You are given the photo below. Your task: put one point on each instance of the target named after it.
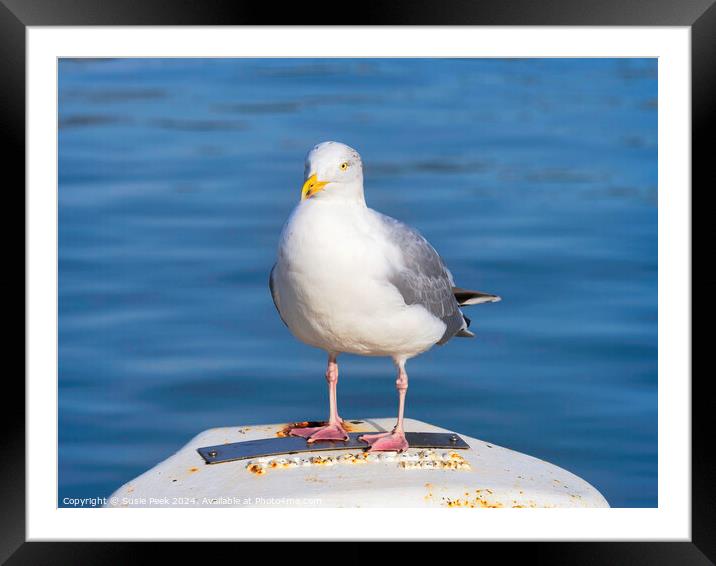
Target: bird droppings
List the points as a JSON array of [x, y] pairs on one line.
[[348, 426], [422, 459]]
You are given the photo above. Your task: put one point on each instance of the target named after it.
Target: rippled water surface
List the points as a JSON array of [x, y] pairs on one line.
[[534, 179]]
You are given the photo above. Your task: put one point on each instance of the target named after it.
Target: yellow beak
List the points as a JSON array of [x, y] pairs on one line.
[[311, 187]]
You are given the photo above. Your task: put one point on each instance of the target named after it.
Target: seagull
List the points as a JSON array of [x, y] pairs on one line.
[[349, 279]]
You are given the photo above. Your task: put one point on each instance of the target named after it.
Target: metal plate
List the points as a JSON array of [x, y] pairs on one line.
[[295, 444]]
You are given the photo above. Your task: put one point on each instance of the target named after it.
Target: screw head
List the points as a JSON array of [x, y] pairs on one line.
[[212, 454], [453, 439]]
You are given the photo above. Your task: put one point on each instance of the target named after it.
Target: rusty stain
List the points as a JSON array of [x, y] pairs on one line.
[[348, 426], [428, 459], [256, 469], [321, 461], [429, 495], [192, 470], [479, 500], [471, 502], [438, 465], [423, 459], [360, 458]]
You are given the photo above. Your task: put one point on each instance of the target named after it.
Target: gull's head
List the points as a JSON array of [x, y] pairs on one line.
[[333, 170]]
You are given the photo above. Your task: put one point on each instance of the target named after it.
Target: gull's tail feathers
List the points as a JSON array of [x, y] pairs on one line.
[[464, 332], [465, 297]]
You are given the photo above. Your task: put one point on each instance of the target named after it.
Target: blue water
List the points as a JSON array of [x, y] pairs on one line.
[[534, 179]]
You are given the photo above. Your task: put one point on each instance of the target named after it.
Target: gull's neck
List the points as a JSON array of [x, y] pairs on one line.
[[346, 193]]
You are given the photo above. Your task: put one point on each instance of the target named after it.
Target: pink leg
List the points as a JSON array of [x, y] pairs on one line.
[[334, 429], [392, 441]]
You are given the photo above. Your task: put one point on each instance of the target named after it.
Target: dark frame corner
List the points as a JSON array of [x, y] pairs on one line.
[[700, 15]]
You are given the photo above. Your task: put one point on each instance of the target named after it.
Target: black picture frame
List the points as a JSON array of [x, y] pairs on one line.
[[17, 15]]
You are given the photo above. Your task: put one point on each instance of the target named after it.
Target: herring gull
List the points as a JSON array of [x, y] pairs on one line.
[[349, 279]]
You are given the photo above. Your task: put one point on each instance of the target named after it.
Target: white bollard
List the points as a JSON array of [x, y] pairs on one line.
[[484, 475]]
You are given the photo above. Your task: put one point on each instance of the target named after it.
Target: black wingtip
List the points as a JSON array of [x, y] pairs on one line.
[[466, 297]]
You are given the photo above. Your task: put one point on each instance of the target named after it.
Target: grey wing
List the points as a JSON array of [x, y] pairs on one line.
[[423, 278], [274, 293]]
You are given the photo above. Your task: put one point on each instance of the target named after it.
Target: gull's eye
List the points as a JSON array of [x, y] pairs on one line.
[[344, 166]]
